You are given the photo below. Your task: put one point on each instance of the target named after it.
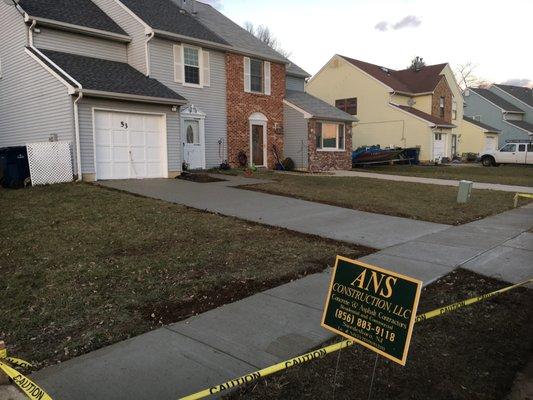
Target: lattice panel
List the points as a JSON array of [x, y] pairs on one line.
[[50, 162]]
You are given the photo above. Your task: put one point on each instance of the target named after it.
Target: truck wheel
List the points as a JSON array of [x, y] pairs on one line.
[[488, 161]]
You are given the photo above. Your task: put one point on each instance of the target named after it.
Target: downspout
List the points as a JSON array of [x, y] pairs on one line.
[[77, 133], [30, 32], [149, 37]]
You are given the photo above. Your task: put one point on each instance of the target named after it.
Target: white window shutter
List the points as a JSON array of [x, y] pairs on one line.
[[247, 77], [206, 69], [267, 78], [178, 64]]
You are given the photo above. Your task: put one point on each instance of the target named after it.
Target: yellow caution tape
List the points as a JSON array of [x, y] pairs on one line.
[[518, 195], [18, 362], [253, 376], [31, 389]]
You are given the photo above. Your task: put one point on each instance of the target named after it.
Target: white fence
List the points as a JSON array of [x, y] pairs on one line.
[[50, 162]]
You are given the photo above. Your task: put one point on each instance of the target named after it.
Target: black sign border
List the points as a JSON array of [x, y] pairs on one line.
[[419, 284]]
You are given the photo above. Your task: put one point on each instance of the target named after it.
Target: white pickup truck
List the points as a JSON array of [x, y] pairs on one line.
[[513, 152]]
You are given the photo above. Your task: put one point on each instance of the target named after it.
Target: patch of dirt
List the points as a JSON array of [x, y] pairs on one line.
[[199, 177], [167, 312], [473, 353]]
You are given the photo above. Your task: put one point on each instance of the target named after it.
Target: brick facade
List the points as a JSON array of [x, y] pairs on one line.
[[442, 90], [242, 105], [328, 160]]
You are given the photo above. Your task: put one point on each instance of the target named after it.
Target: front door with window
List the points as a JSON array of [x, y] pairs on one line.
[[258, 145], [193, 148], [439, 147]]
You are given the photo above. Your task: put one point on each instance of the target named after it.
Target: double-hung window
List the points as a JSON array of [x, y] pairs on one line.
[[256, 76], [441, 107], [191, 66], [454, 110], [191, 62], [347, 105], [330, 136]]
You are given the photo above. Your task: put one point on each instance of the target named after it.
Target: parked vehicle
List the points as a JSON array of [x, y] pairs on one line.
[[513, 152]]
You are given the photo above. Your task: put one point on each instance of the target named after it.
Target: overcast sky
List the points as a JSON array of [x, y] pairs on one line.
[[495, 36]]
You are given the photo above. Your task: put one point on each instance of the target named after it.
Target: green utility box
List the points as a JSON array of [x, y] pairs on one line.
[[465, 191]]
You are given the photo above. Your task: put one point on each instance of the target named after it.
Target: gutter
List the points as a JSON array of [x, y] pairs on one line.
[[131, 97], [75, 106], [78, 29]]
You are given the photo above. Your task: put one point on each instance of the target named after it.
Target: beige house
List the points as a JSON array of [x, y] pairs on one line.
[[416, 107], [477, 136]]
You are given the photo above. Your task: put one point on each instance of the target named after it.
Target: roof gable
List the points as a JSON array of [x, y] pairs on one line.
[[406, 80], [496, 100], [524, 94], [488, 128], [76, 12]]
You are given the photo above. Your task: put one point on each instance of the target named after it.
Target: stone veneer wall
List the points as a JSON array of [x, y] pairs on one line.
[[329, 160], [241, 105]]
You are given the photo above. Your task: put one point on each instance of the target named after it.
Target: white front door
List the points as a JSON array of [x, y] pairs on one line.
[[439, 146], [193, 144], [491, 143], [129, 145]]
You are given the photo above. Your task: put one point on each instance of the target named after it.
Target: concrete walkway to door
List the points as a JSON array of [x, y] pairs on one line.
[[352, 226]]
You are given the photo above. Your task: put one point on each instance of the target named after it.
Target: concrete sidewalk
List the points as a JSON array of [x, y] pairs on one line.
[[337, 223], [433, 181], [274, 325]]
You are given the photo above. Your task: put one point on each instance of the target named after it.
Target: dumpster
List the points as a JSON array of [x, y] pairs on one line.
[[14, 167]]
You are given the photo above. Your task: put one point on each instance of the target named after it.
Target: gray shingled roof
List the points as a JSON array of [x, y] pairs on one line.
[[165, 15], [488, 128], [523, 94], [438, 122], [522, 124], [317, 108], [240, 38], [109, 76], [77, 12], [497, 100]]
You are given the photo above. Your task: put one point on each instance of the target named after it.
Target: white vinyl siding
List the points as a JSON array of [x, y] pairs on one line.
[[68, 42], [295, 137], [86, 129], [210, 99], [137, 47], [33, 104]]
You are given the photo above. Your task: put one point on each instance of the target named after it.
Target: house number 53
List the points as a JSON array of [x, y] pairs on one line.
[[124, 124]]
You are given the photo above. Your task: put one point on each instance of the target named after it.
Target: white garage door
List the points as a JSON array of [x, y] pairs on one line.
[[129, 146], [491, 143], [439, 146]]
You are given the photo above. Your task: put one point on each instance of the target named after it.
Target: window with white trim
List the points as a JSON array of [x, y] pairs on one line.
[[330, 136], [454, 109], [191, 66], [257, 76], [441, 107]]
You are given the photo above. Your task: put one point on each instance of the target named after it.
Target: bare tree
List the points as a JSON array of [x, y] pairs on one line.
[[466, 76], [263, 33]]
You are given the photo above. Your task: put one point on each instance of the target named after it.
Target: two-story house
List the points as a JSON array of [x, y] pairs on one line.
[[140, 88], [415, 107], [507, 108]]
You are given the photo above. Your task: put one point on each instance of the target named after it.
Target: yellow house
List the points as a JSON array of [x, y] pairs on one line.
[[477, 136], [416, 107]]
